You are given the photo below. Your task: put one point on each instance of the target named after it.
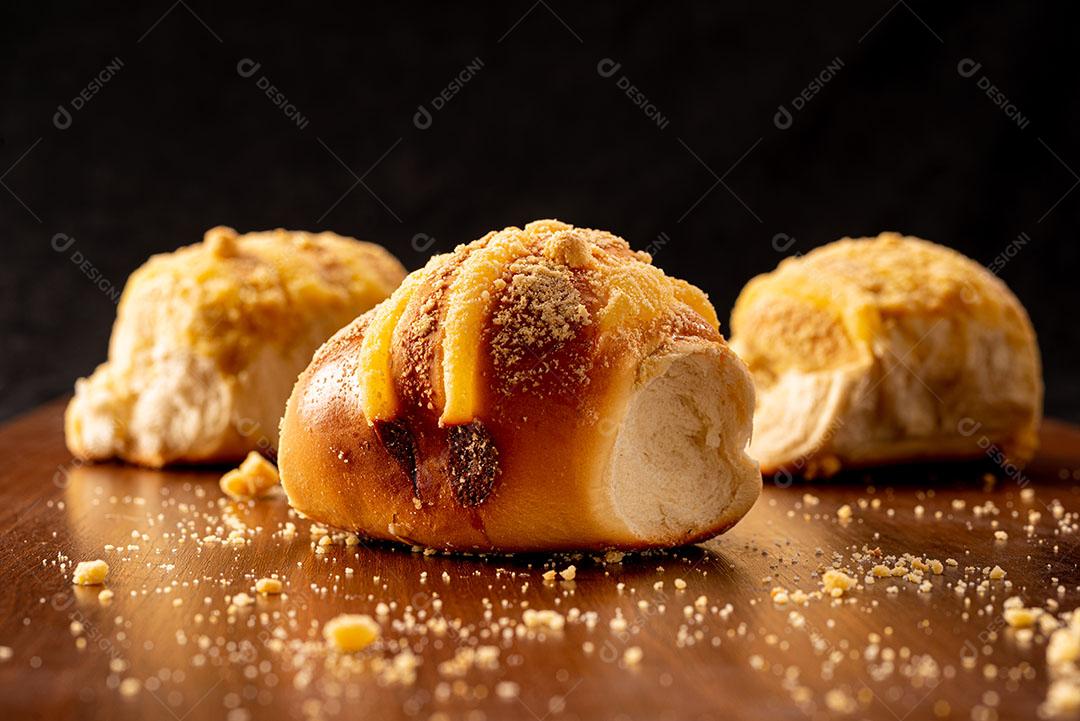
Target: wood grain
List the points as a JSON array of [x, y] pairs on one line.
[[168, 629]]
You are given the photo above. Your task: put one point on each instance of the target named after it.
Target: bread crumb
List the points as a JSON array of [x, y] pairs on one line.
[[90, 573], [997, 573], [268, 586], [130, 687], [1062, 698], [241, 600], [680, 584], [836, 582], [507, 690], [549, 575], [569, 573], [844, 512], [1062, 653], [545, 618], [350, 632], [254, 478], [105, 597], [839, 701], [1001, 536], [1020, 617]]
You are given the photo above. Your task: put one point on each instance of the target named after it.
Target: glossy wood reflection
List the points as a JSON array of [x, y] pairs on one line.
[[743, 658]]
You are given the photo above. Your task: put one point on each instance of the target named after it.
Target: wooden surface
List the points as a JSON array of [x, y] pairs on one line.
[[167, 646]]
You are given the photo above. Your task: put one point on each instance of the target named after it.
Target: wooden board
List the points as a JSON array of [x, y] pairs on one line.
[[167, 646]]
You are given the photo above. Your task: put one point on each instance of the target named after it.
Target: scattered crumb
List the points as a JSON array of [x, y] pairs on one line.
[[255, 478], [836, 582], [507, 690], [130, 687], [351, 632], [90, 573], [268, 586]]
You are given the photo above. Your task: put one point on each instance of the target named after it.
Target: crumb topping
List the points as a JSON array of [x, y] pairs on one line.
[[539, 311], [530, 291]]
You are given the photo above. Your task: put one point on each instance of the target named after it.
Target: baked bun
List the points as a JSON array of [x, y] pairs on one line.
[[537, 389], [886, 349], [208, 341]]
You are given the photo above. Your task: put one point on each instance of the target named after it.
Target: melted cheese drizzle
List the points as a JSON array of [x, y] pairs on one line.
[[636, 294], [466, 313], [380, 402]]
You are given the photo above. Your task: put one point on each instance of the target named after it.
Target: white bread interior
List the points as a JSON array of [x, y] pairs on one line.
[[916, 394], [798, 414], [209, 339], [178, 404], [679, 465]]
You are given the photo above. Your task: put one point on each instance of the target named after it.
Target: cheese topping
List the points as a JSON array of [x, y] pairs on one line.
[[631, 294], [380, 400], [467, 309]]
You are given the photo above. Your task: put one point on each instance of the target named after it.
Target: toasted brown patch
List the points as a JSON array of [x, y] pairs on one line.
[[474, 463], [397, 438]]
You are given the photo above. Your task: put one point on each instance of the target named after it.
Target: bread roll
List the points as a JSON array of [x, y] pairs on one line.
[[208, 342], [886, 349], [537, 389]]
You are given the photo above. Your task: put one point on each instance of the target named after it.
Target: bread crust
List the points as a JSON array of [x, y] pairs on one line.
[[209, 339], [888, 349], [526, 471]]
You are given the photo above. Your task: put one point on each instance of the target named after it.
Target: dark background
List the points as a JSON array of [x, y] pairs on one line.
[[177, 141]]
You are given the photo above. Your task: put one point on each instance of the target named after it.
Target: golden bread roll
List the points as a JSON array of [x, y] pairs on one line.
[[208, 342], [886, 349], [541, 388]]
